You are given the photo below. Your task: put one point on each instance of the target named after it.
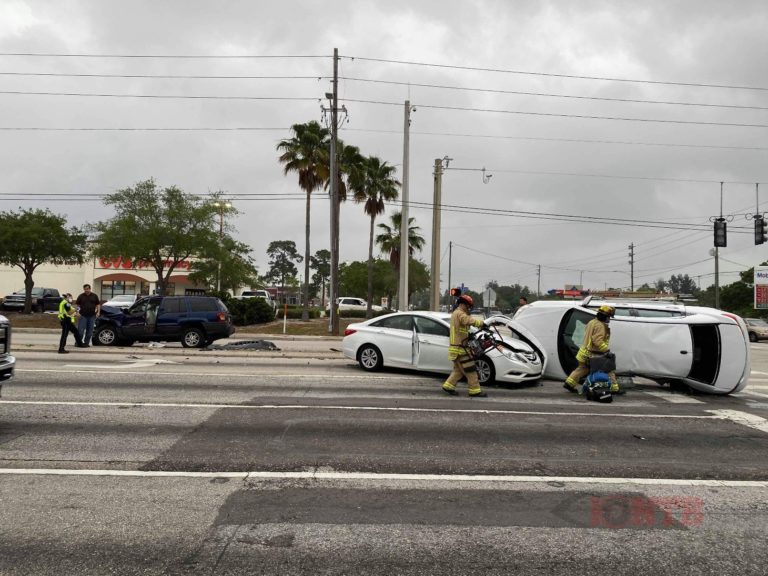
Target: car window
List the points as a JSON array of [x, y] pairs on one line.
[[139, 309], [429, 326], [203, 305], [645, 313], [623, 312], [570, 337], [402, 322], [757, 322], [173, 306]]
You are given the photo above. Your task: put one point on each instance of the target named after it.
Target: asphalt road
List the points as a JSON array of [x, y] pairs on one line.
[[172, 461]]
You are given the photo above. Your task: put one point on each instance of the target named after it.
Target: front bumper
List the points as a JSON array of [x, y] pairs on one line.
[[7, 364]]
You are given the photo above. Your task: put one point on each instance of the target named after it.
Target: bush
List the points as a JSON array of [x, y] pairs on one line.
[[250, 311], [294, 312]]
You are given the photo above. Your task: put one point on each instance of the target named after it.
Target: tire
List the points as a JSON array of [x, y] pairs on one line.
[[193, 338], [369, 357], [752, 337], [486, 372], [106, 336]]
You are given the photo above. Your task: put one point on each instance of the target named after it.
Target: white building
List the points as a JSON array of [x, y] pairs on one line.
[[107, 277]]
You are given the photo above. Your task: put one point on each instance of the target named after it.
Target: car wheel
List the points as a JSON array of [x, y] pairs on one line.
[[193, 338], [486, 373], [106, 336], [752, 337], [369, 358]]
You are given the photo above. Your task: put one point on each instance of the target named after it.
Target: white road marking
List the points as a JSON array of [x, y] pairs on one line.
[[122, 364], [756, 394], [353, 408], [197, 371], [317, 475], [674, 398], [743, 418], [758, 372]]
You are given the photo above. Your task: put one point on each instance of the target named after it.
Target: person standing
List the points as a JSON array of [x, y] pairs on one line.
[[89, 305], [463, 364], [67, 320], [597, 340]]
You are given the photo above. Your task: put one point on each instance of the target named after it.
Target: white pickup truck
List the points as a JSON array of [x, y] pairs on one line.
[[258, 294]]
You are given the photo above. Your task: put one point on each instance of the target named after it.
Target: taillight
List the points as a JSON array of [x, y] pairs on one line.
[[221, 317], [349, 332]]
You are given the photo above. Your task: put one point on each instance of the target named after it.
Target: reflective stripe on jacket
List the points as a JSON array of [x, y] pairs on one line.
[[597, 339], [460, 323]]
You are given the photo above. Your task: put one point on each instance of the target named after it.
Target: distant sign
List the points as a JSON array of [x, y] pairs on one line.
[[761, 288], [489, 298]]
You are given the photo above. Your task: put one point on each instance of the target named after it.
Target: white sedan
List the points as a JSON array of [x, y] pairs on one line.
[[705, 348], [419, 341], [347, 304], [123, 301]]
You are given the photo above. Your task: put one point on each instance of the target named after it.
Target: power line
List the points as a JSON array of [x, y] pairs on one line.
[[159, 96], [553, 75], [551, 95], [164, 76], [556, 115], [167, 56]]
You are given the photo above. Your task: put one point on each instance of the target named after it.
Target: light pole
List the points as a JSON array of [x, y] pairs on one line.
[[221, 207]]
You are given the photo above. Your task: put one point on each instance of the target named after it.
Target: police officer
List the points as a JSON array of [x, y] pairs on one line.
[[597, 339], [67, 321], [463, 364]]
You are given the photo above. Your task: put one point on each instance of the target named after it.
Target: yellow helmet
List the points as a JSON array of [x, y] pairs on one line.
[[607, 310]]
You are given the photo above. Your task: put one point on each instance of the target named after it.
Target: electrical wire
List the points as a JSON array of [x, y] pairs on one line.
[[159, 96], [167, 56], [164, 76]]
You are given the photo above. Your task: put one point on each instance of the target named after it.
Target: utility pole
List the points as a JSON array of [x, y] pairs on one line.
[[450, 257], [434, 292], [632, 267], [402, 291], [334, 320], [221, 206], [717, 256], [538, 282]]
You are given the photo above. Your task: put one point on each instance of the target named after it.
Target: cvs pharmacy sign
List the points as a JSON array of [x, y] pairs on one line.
[[123, 263]]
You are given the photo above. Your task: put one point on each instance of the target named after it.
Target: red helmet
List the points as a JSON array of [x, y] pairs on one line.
[[467, 300]]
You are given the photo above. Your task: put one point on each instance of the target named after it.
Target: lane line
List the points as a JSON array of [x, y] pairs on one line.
[[361, 408], [757, 394], [317, 475], [226, 374], [743, 418], [674, 398]]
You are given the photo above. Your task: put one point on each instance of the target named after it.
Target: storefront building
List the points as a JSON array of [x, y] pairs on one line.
[[107, 276]]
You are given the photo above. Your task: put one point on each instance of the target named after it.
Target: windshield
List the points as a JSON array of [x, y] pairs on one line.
[[757, 322], [35, 291], [123, 298]]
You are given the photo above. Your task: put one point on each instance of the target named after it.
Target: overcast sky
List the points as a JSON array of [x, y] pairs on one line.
[[544, 154]]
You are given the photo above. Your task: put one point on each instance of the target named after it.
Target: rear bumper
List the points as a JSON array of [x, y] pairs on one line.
[[7, 365]]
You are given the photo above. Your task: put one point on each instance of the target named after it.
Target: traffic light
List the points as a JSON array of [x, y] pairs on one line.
[[761, 229], [720, 233], [455, 292]]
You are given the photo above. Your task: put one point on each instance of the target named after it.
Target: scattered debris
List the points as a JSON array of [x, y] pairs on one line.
[[155, 345], [638, 437], [245, 345]]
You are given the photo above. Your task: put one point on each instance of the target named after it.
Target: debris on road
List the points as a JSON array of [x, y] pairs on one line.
[[245, 345]]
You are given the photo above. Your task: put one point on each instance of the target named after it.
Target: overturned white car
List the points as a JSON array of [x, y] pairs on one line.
[[705, 348]]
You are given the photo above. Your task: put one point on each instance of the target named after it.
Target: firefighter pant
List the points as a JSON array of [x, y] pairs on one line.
[[582, 370], [464, 366], [68, 326]]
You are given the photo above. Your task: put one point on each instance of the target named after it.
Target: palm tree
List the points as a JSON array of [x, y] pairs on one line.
[[389, 241], [374, 184], [307, 153]]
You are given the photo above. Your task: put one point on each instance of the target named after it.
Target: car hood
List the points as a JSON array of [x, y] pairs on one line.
[[111, 311], [522, 334]]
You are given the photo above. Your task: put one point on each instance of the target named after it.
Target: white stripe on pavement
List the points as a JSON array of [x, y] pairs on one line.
[[352, 408], [196, 371], [743, 418], [674, 398], [316, 475]]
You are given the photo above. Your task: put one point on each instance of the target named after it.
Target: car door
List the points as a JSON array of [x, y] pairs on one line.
[[134, 322], [394, 336], [170, 316], [432, 340]]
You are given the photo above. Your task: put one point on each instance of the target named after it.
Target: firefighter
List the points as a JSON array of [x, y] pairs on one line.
[[463, 364], [68, 323], [597, 339]]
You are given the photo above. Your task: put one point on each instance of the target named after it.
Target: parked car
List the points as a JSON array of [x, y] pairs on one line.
[[195, 321], [705, 348], [263, 294], [757, 328], [419, 341], [7, 362], [347, 304], [42, 299], [123, 301]]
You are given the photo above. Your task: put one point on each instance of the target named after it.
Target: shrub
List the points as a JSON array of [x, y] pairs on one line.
[[250, 311], [294, 312]]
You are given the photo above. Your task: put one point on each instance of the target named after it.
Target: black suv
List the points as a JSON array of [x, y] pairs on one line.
[[195, 321], [42, 299]]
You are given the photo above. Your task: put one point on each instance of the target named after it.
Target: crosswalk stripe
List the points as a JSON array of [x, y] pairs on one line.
[[675, 398]]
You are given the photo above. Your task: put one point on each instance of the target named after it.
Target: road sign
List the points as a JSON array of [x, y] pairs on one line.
[[761, 288]]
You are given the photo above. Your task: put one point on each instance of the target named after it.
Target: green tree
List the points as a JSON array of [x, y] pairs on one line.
[[282, 255], [389, 242], [230, 261], [353, 278], [374, 184], [321, 264], [306, 153], [159, 227], [33, 237]]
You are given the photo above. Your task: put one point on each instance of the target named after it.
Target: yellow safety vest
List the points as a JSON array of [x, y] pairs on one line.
[[63, 312]]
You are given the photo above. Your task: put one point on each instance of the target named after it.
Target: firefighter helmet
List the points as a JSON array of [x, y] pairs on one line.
[[466, 299], [607, 310]]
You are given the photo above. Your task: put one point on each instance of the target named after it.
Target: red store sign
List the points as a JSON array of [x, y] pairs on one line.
[[128, 264]]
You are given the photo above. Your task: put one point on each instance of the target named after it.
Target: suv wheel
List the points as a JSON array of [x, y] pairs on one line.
[[752, 337], [106, 336], [193, 338]]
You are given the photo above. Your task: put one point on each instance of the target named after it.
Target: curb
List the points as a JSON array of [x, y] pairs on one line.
[[237, 335]]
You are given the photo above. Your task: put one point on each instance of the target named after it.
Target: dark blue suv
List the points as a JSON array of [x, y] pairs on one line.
[[195, 321]]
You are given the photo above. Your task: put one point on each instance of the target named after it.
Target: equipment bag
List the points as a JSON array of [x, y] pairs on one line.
[[602, 362], [597, 387]]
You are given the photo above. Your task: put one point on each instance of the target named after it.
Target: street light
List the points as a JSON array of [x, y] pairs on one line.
[[221, 207]]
